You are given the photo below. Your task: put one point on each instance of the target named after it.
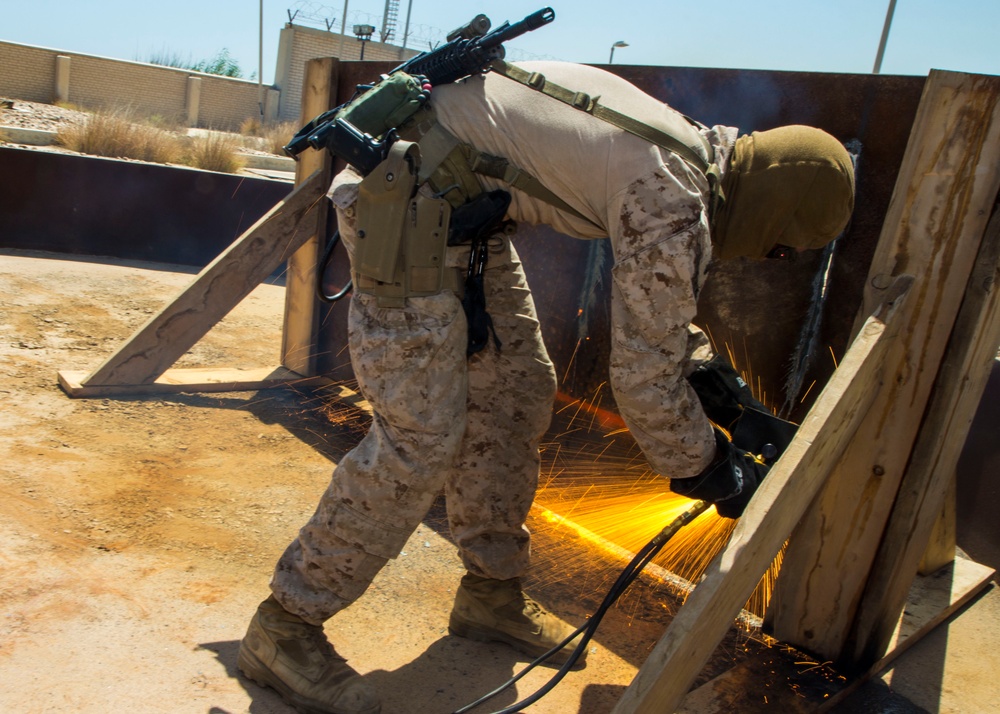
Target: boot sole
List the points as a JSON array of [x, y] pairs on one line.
[[255, 670], [471, 631]]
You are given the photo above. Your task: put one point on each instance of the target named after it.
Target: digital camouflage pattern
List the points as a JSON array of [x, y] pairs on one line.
[[662, 253], [472, 426], [469, 426]]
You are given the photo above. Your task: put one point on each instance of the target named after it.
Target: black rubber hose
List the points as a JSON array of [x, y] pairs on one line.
[[631, 571]]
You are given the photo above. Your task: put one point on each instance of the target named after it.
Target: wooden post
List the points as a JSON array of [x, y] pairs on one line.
[[944, 193], [943, 540], [789, 488], [957, 392], [319, 93]]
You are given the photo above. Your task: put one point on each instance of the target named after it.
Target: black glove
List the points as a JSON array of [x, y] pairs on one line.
[[723, 393], [729, 481]]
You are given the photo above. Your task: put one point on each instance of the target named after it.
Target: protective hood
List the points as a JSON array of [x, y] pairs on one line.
[[792, 186]]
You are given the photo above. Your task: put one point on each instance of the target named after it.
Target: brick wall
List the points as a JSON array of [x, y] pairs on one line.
[[29, 73], [298, 45], [101, 83]]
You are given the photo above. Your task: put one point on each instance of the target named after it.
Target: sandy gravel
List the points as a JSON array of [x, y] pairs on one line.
[[35, 115]]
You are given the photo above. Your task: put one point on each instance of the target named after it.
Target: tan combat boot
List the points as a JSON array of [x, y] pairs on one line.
[[499, 611], [286, 653]]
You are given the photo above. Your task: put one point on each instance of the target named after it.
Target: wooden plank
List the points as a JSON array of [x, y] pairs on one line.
[[337, 390], [779, 683], [932, 599], [174, 381], [214, 292], [958, 390], [702, 622], [941, 548], [301, 322], [935, 222]]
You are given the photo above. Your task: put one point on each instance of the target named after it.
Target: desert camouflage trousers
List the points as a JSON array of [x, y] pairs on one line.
[[468, 426]]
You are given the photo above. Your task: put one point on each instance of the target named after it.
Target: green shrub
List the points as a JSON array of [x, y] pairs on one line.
[[222, 64]]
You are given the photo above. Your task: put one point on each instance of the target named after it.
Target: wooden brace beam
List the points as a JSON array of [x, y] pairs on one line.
[[945, 190], [216, 290], [783, 497], [957, 392]]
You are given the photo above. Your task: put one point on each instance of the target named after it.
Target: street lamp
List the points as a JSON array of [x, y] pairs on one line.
[[363, 33], [885, 37], [611, 59]]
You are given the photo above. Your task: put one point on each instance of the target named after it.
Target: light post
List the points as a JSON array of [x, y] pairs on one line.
[[260, 63], [885, 37], [611, 59], [364, 33]]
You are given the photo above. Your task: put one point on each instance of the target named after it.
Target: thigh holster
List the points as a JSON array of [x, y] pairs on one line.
[[402, 234]]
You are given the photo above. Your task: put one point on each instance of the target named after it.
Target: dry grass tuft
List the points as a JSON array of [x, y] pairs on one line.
[[277, 135], [251, 126], [117, 134], [120, 133], [214, 151], [267, 137]]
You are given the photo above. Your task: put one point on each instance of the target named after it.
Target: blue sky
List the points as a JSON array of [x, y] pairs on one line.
[[807, 35]]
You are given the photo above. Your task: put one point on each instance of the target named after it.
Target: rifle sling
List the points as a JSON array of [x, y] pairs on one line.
[[584, 102], [449, 165], [447, 161]]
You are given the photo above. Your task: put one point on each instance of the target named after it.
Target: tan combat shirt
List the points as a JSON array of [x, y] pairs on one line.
[[650, 203]]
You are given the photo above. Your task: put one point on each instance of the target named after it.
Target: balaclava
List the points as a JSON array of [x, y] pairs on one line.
[[792, 186]]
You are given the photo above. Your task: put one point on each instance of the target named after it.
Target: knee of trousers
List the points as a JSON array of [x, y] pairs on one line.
[[537, 381], [541, 385]]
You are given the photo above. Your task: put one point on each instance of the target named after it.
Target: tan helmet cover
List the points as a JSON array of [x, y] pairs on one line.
[[792, 186]]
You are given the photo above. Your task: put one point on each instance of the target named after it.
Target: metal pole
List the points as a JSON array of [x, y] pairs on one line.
[[611, 59], [406, 30], [260, 65], [343, 28], [885, 37]]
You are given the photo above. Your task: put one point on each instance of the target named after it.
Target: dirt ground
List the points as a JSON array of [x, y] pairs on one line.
[[137, 534]]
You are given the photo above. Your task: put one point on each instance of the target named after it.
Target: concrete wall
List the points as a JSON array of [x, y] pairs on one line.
[[40, 74], [83, 205]]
